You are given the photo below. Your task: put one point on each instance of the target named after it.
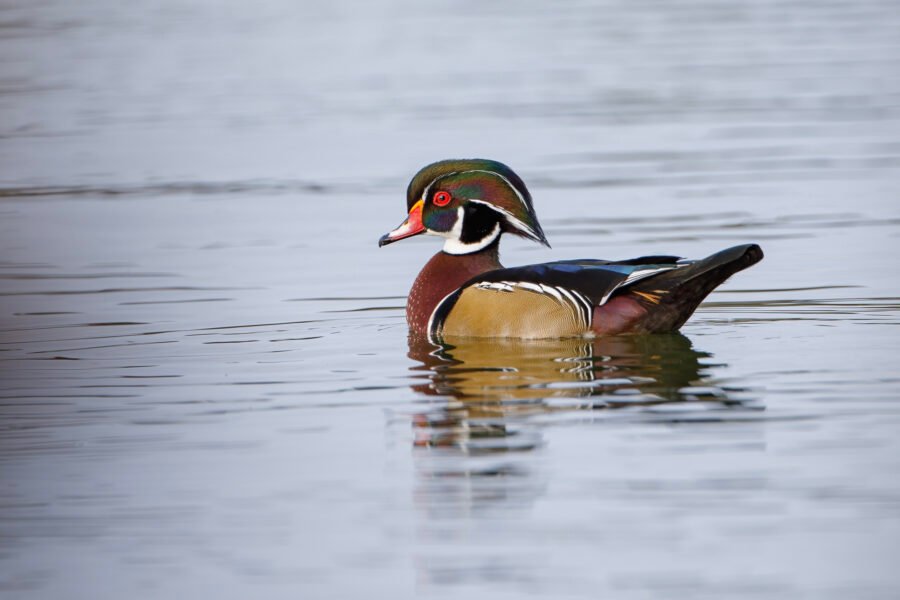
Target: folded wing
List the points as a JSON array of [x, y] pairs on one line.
[[546, 300]]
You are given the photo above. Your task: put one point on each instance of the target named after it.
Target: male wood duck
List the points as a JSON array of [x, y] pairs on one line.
[[465, 291]]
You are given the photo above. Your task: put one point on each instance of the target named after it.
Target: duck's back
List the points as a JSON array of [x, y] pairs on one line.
[[585, 297], [546, 300]]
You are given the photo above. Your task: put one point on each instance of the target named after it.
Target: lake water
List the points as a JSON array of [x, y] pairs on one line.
[[207, 386]]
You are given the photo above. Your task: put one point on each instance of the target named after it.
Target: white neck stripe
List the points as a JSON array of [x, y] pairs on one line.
[[453, 245]]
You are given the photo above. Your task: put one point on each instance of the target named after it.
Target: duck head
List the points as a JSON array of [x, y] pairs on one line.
[[469, 203]]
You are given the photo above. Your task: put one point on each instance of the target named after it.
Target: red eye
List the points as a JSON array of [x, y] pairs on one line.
[[442, 198]]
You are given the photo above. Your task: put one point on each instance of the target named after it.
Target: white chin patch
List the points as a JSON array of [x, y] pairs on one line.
[[452, 243], [454, 246]]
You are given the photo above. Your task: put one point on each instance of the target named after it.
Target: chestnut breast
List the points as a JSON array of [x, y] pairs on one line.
[[443, 274]]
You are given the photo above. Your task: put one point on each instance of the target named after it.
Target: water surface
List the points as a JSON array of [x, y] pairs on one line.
[[207, 383]]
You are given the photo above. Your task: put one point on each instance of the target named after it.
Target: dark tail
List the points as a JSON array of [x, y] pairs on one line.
[[671, 297]]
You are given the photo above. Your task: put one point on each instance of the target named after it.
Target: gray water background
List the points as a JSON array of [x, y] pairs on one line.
[[206, 386]]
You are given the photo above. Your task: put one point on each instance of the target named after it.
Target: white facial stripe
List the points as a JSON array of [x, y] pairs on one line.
[[507, 181], [456, 232], [453, 244], [517, 223], [428, 187], [513, 220]]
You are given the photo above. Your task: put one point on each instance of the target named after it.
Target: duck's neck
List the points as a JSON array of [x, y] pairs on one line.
[[441, 276]]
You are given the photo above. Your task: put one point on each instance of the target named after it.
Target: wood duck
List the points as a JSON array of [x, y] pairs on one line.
[[464, 290]]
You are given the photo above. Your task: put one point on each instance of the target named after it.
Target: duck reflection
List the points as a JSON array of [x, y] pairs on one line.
[[487, 404], [490, 390]]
